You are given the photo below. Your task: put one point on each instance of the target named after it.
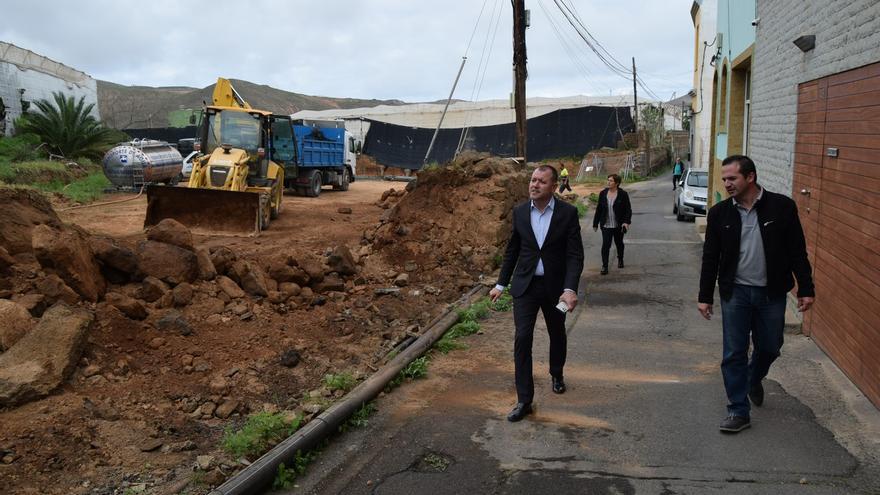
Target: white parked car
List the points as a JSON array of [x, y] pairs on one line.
[[690, 198], [187, 166]]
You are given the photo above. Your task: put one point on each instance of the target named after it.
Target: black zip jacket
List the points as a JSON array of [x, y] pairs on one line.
[[622, 208], [785, 249]]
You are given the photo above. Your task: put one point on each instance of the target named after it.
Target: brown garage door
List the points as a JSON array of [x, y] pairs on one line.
[[839, 203]]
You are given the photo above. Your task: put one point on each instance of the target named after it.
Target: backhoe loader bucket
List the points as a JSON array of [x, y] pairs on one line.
[[205, 211]]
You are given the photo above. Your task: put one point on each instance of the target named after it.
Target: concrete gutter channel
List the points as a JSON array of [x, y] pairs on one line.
[[259, 476]]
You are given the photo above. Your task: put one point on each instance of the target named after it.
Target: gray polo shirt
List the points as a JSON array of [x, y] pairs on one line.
[[751, 269]]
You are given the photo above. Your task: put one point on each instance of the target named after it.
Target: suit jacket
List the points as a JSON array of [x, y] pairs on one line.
[[785, 249], [562, 252], [622, 208]]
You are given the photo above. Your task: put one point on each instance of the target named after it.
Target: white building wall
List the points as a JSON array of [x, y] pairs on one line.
[[701, 120], [39, 77], [847, 36]]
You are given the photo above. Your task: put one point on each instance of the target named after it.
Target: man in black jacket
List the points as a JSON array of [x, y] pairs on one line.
[[754, 243], [543, 264]]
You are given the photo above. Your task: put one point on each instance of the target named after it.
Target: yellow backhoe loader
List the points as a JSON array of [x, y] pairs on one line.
[[237, 182]]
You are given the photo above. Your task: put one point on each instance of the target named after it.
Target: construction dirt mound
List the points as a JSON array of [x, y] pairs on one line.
[[170, 339], [453, 222]]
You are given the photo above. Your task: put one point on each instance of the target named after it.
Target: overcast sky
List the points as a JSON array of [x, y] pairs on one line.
[[387, 49]]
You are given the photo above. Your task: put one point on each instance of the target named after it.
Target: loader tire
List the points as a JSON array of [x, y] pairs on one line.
[[275, 209]]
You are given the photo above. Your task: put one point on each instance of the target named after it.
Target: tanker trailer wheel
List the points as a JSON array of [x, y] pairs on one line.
[[314, 188], [346, 180]]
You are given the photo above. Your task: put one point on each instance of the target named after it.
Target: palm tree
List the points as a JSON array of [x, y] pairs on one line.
[[68, 127]]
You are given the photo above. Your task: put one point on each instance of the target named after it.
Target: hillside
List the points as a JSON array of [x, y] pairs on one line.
[[125, 107]]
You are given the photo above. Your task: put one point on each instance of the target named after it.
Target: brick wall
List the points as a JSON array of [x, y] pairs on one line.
[[847, 36]]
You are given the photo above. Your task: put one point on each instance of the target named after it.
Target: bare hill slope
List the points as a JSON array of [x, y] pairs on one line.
[[126, 107]]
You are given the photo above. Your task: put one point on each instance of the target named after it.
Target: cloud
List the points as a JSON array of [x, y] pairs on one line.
[[408, 50]]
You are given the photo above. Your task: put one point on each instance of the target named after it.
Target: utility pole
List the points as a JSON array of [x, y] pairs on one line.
[[635, 95], [519, 70]]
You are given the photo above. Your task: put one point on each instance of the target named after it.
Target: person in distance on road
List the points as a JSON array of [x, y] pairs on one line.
[[614, 215]]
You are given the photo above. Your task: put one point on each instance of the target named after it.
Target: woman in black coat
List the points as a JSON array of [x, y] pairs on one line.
[[613, 214]]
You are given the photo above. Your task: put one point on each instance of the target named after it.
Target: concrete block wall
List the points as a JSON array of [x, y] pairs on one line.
[[847, 36]]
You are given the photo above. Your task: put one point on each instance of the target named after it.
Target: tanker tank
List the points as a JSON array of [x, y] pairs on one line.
[[142, 161]]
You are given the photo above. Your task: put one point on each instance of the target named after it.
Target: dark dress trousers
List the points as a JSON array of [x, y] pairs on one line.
[[562, 254]]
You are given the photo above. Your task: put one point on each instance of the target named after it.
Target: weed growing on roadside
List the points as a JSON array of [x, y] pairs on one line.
[[413, 371], [504, 302], [283, 478], [582, 209], [416, 369], [342, 381], [360, 418], [259, 432], [476, 311], [594, 198]]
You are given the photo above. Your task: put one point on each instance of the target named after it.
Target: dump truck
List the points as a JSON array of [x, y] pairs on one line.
[[326, 154], [237, 182]]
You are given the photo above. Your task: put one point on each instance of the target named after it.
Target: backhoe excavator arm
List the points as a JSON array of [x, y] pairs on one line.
[[226, 96]]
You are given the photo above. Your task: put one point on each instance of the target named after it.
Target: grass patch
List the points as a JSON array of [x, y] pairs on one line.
[[594, 198], [341, 381], [582, 209], [476, 311], [448, 343], [260, 432], [463, 329], [29, 172]]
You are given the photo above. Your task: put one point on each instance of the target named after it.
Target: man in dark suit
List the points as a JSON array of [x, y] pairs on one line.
[[543, 264]]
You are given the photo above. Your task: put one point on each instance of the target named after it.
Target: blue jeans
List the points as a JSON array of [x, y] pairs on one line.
[[749, 311]]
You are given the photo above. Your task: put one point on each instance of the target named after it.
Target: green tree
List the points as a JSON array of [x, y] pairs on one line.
[[68, 127]]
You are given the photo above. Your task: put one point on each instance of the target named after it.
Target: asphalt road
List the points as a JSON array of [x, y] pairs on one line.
[[642, 408]]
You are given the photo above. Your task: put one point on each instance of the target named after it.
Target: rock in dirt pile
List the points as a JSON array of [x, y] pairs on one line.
[[122, 360]]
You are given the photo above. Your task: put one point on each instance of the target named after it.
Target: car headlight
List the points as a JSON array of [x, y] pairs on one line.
[[688, 194]]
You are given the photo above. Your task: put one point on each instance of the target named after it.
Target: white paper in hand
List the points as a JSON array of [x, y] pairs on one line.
[[562, 307]]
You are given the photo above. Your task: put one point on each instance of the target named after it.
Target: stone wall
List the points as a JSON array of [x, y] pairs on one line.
[[847, 36]]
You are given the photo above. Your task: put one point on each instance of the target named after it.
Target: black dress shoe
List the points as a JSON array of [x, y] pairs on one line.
[[735, 424], [604, 270], [558, 385], [756, 394], [620, 264], [519, 412]]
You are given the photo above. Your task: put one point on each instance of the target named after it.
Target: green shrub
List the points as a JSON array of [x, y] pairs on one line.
[[19, 148], [259, 432], [582, 209]]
